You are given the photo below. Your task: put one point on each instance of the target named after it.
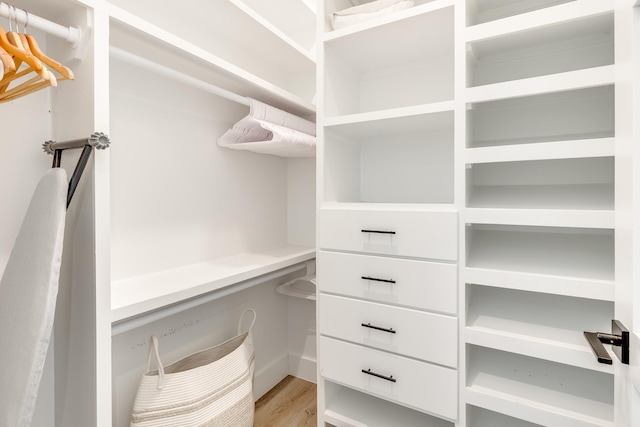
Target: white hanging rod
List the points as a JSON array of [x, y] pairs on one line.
[[181, 77], [70, 34]]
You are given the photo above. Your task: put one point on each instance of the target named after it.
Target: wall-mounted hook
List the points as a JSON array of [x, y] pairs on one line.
[[618, 339]]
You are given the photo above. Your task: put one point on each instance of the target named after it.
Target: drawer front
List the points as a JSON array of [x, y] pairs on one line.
[[420, 284], [427, 336], [431, 235], [417, 384]]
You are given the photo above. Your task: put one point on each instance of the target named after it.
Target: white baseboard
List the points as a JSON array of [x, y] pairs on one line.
[[303, 367], [268, 376]]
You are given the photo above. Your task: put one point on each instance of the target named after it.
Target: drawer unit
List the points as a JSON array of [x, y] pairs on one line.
[[427, 336], [421, 284], [421, 234], [420, 385]]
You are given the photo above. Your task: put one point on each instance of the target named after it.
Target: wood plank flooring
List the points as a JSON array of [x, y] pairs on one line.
[[291, 403]]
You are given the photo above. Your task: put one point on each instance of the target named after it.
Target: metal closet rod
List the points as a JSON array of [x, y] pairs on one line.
[[70, 34], [176, 75]]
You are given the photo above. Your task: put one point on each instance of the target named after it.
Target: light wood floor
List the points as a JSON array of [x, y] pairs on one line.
[[291, 403]]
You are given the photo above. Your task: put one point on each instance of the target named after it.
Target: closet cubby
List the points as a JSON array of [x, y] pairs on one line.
[[536, 390], [406, 159], [396, 64], [563, 116], [346, 407], [582, 183], [556, 251], [482, 11], [562, 47], [536, 324]]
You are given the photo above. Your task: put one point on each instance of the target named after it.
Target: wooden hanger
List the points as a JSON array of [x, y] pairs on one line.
[[8, 65], [22, 54], [65, 72]]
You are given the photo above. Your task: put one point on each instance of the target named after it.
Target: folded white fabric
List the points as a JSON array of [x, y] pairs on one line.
[[28, 292], [364, 12], [270, 130]]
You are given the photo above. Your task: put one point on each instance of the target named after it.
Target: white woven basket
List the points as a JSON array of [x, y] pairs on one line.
[[213, 387]]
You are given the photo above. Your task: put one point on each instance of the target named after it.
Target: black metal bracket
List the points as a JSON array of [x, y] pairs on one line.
[[97, 139], [618, 339]]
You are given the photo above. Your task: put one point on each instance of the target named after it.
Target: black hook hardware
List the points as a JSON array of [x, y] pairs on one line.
[[618, 339]]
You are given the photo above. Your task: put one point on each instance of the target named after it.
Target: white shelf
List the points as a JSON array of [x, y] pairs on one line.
[[564, 47], [568, 354], [555, 251], [349, 408], [569, 115], [405, 120], [371, 26], [560, 82], [404, 207], [565, 184], [541, 217], [539, 391], [536, 324], [537, 16], [579, 148], [291, 89], [555, 285], [136, 295]]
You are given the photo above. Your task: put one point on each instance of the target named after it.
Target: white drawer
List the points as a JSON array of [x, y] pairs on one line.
[[422, 234], [421, 284], [412, 383], [427, 336]]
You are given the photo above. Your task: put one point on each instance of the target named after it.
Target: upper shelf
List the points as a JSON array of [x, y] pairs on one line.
[[299, 32], [257, 63], [386, 42], [371, 26], [546, 15]]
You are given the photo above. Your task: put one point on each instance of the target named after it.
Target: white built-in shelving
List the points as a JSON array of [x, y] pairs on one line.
[[386, 221], [538, 222]]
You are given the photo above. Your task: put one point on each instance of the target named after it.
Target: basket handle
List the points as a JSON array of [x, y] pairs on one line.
[[153, 351], [252, 321]]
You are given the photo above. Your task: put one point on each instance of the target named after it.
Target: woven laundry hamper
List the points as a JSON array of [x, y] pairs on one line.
[[213, 387]]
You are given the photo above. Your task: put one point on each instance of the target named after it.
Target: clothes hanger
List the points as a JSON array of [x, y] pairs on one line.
[[18, 46], [7, 62], [65, 72], [30, 44]]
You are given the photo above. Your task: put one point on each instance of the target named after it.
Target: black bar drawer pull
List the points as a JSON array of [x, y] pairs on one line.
[[389, 378], [378, 231], [377, 280], [378, 328]]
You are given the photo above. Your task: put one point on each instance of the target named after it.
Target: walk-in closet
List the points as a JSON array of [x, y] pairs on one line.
[[438, 227]]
